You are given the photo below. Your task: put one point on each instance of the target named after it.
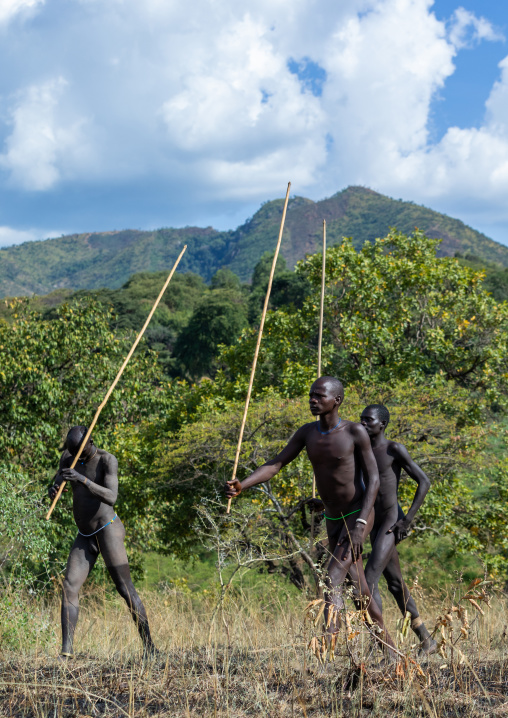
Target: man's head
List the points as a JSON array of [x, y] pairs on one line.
[[74, 440], [375, 418], [326, 394]]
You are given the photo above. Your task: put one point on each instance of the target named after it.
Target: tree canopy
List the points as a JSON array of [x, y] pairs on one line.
[[404, 327]]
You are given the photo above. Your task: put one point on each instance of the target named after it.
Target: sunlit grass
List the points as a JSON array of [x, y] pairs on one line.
[[253, 661]]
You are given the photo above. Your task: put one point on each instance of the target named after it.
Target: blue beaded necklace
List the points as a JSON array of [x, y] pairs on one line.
[[329, 430]]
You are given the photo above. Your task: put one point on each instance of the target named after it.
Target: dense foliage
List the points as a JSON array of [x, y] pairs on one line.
[[53, 374], [418, 333], [393, 312]]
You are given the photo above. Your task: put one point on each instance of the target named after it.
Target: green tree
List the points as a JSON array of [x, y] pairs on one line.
[[218, 319], [133, 301], [393, 311], [54, 373], [225, 279], [192, 465], [259, 283]]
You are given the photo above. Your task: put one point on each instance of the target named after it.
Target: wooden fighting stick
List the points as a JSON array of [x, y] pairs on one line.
[[260, 334], [320, 336], [120, 372], [320, 343]]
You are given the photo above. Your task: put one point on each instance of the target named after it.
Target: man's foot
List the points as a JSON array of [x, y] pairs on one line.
[[64, 657], [150, 653], [427, 647]]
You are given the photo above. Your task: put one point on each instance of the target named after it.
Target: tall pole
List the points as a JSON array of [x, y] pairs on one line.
[[258, 344], [120, 372], [320, 336]]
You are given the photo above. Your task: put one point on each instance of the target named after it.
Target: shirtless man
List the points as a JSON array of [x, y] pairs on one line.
[[94, 489], [339, 451], [390, 525]]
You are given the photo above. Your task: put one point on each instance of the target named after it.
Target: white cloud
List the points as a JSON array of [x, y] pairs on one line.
[[9, 236], [243, 114], [204, 104], [466, 29], [10, 8], [468, 167], [40, 146]]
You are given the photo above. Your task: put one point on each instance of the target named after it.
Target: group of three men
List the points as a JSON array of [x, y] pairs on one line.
[[357, 472]]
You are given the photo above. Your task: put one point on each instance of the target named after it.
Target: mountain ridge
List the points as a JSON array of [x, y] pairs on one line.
[[91, 260]]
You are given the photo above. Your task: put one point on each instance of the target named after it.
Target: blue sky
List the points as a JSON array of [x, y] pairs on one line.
[[116, 113]]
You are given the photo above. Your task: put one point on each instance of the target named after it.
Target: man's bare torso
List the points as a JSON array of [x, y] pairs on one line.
[[90, 513], [389, 477], [336, 466]]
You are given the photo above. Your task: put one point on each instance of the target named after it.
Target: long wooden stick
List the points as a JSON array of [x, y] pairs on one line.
[[320, 338], [260, 334], [120, 372]]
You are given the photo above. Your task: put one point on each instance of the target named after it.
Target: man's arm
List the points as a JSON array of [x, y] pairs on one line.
[[107, 493], [57, 478], [363, 449], [267, 471], [401, 527]]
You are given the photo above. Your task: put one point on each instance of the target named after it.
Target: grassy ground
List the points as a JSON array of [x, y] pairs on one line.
[[251, 660]]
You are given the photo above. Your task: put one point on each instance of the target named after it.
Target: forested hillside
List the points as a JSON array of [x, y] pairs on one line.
[[109, 259]]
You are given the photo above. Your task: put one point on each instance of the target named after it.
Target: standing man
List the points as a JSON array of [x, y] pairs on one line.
[[339, 451], [100, 531], [390, 525]]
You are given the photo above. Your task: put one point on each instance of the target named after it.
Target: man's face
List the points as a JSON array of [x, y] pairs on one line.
[[370, 420], [73, 448], [322, 399]]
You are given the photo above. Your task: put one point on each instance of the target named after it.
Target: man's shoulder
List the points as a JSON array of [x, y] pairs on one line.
[[107, 457], [395, 447], [305, 428], [355, 428], [64, 456]]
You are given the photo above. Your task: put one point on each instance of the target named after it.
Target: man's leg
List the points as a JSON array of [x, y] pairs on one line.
[[112, 547], [79, 564], [337, 572], [406, 602], [363, 597], [383, 545]]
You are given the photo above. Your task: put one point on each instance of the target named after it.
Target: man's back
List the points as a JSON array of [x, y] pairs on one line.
[[387, 459]]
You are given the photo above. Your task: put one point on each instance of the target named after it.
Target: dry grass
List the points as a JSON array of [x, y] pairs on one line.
[[265, 669]]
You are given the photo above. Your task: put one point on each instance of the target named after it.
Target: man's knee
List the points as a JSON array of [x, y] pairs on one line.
[[372, 572], [128, 592], [394, 586], [70, 590]]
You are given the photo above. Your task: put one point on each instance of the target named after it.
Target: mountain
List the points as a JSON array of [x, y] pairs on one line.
[[108, 259]]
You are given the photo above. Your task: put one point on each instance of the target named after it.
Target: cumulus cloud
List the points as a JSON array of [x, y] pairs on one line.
[[42, 147], [230, 101], [466, 29], [10, 8], [244, 114]]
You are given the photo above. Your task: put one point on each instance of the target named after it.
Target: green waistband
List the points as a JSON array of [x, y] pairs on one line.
[[341, 517]]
